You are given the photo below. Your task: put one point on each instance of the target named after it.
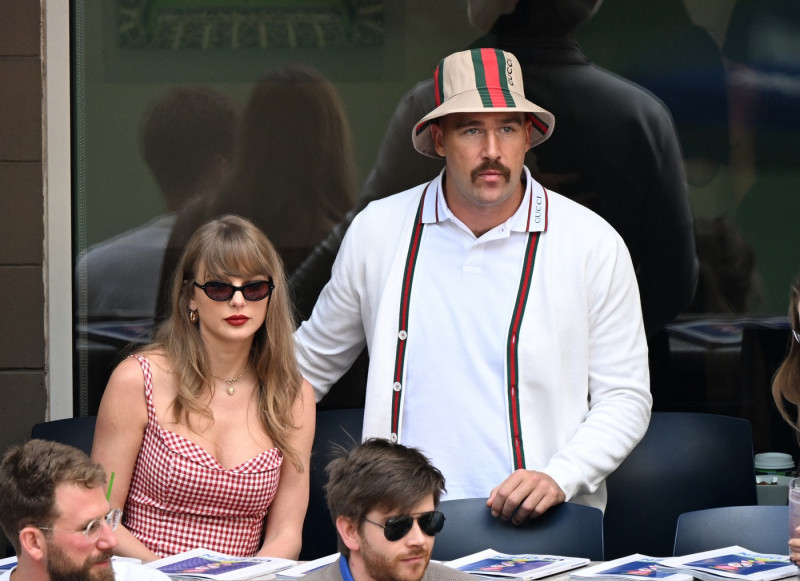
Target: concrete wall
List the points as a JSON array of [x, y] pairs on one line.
[[23, 398]]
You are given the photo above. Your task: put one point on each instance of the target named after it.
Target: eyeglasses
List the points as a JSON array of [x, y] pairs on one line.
[[95, 526], [223, 291], [396, 527], [796, 335]]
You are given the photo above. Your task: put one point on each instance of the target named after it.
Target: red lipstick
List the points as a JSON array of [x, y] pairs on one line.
[[237, 320]]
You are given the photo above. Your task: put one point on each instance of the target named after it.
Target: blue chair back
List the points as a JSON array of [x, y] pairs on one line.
[[568, 529], [77, 432], [764, 529], [334, 427], [686, 461]]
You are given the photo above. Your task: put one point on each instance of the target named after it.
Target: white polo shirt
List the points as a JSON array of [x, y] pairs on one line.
[[464, 294]]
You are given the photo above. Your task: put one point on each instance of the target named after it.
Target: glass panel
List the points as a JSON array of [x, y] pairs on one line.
[[728, 72], [361, 55]]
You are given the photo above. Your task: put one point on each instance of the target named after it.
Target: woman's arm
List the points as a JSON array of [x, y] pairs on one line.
[[121, 421], [284, 533]]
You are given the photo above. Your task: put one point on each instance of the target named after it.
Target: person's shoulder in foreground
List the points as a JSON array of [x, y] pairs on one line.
[[437, 572], [130, 571], [123, 571]]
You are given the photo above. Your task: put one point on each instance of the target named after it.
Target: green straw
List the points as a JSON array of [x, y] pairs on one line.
[[110, 484]]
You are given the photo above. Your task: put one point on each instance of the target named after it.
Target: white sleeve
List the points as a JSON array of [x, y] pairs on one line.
[[618, 383], [329, 342]]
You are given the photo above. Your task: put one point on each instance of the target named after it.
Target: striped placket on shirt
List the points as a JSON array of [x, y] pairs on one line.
[[512, 346]]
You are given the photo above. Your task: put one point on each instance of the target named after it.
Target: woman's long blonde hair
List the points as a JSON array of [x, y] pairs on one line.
[[232, 247], [786, 383]]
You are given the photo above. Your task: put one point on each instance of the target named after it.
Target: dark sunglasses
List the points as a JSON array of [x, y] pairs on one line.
[[223, 291], [397, 527]]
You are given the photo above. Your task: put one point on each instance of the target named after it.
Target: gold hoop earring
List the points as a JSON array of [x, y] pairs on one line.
[[193, 318]]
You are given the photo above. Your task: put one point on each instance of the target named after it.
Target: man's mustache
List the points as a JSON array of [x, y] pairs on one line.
[[413, 555], [492, 165], [104, 556]]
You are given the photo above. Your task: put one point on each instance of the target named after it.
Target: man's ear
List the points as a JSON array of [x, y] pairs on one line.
[[32, 542], [348, 531], [437, 137], [528, 130]]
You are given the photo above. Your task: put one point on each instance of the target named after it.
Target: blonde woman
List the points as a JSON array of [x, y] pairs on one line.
[[786, 388], [208, 430], [786, 383]]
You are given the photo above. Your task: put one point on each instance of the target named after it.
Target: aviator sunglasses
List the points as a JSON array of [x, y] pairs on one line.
[[223, 291], [397, 527]]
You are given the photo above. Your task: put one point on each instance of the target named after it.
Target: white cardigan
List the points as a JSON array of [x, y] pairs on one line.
[[584, 382]]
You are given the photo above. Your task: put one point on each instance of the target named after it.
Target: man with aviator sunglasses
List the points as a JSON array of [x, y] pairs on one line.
[[53, 509], [382, 498]]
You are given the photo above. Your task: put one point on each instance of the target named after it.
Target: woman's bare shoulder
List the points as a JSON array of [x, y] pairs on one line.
[[129, 374], [124, 394]]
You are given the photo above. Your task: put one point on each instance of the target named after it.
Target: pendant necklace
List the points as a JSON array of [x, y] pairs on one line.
[[230, 389]]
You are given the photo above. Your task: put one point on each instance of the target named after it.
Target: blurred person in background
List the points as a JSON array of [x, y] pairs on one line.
[[294, 174], [187, 140]]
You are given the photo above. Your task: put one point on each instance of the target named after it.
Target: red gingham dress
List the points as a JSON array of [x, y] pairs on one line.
[[181, 498]]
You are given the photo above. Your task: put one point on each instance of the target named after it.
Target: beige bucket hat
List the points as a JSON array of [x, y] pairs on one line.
[[481, 80]]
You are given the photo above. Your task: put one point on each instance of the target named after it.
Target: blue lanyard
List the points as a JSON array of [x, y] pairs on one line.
[[344, 569]]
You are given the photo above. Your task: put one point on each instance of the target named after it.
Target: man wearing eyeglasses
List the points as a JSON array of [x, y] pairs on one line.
[[53, 509], [383, 498]]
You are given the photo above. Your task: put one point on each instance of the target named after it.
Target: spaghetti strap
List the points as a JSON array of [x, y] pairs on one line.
[[148, 388]]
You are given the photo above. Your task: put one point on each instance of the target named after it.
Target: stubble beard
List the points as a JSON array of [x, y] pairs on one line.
[[382, 568], [61, 568]]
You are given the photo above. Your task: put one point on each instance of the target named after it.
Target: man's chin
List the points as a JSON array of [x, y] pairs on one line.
[[102, 569], [101, 572], [413, 568]]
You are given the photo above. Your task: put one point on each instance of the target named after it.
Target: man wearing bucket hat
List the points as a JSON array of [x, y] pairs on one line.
[[502, 320], [634, 177]]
